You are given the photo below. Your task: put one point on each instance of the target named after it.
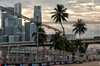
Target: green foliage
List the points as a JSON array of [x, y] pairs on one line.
[[78, 45], [80, 27], [60, 15], [59, 42], [42, 36]]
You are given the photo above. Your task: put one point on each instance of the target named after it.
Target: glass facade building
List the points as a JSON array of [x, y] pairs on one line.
[[27, 31]]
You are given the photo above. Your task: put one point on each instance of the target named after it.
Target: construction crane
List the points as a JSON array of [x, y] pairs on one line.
[[26, 18]]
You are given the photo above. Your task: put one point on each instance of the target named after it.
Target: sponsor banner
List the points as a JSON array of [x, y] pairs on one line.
[[57, 62]]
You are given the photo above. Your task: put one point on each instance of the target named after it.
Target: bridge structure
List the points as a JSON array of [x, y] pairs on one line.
[[5, 46], [19, 49]]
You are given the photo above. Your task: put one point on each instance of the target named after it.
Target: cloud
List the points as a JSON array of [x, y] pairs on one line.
[[88, 10]]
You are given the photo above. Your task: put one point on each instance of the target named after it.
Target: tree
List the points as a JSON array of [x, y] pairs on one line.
[[59, 42], [60, 15], [80, 27], [42, 36], [77, 46], [56, 43]]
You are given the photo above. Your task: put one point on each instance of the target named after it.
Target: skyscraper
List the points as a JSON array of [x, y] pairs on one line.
[[33, 28], [9, 26], [12, 25], [17, 9], [1, 32], [27, 31], [5, 15], [37, 13], [37, 17]]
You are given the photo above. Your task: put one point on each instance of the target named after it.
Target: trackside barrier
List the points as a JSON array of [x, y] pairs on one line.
[[22, 57]]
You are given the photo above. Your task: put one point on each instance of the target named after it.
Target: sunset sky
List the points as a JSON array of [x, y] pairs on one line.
[[88, 10]]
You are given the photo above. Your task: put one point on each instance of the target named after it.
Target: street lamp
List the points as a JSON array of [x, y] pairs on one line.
[[37, 24]]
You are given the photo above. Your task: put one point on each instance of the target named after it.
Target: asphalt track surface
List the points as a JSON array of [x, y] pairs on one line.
[[93, 63]]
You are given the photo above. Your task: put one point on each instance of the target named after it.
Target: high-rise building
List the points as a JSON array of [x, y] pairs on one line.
[[70, 37], [17, 9], [37, 17], [17, 31], [5, 15], [33, 28], [1, 39], [1, 33], [9, 26], [5, 38], [37, 13], [23, 33], [27, 31], [14, 38]]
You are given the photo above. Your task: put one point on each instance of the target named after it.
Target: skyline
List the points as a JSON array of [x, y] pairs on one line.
[[86, 10]]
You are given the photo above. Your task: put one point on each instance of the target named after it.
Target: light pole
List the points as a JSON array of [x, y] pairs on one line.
[[37, 45], [37, 24]]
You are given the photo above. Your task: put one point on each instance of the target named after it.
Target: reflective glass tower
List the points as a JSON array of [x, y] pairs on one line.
[[27, 31], [5, 15]]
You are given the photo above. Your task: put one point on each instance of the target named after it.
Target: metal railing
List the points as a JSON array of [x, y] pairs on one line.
[[44, 55]]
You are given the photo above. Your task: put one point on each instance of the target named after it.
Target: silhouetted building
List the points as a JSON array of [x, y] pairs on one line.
[[27, 31], [5, 38], [14, 38], [70, 36], [1, 32], [9, 26], [37, 17], [5, 15], [17, 9], [33, 28], [1, 39], [37, 13]]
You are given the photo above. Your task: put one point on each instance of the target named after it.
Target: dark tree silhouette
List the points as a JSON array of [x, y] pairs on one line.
[[80, 27], [60, 15]]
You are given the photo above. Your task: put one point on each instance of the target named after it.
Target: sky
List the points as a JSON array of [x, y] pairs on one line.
[[88, 10]]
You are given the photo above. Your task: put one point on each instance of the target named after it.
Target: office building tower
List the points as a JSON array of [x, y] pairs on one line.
[[27, 31], [14, 38], [5, 38], [1, 39], [17, 31], [33, 28], [5, 15], [17, 9], [9, 26], [70, 37], [37, 13], [23, 33], [1, 32], [37, 17]]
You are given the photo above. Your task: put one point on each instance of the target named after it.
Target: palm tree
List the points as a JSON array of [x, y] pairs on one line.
[[42, 36], [56, 41], [59, 42], [80, 27], [60, 15], [79, 46]]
